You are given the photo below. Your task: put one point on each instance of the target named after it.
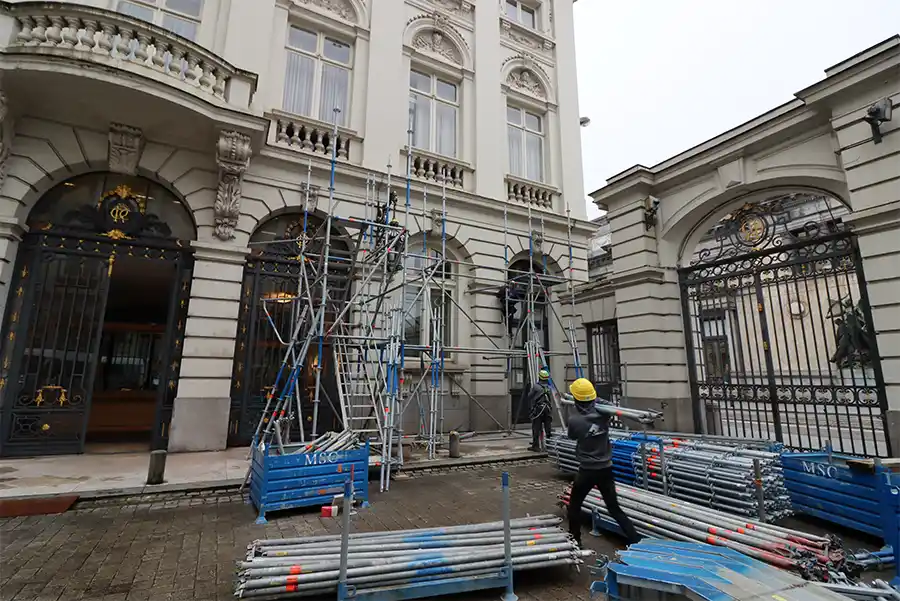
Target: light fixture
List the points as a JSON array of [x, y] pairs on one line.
[[877, 114], [584, 121]]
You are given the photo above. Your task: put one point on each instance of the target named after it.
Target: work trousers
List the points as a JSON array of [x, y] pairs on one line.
[[603, 480], [542, 422]]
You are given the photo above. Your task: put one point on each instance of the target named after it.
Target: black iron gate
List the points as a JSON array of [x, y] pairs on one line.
[[55, 321], [604, 363], [779, 332]]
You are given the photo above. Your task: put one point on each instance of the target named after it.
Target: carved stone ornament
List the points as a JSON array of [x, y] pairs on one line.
[[434, 42], [341, 8], [437, 221], [537, 240], [5, 135], [457, 7], [233, 157], [126, 144], [525, 81]]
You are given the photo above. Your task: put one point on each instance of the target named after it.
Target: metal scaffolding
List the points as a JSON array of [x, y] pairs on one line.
[[352, 312]]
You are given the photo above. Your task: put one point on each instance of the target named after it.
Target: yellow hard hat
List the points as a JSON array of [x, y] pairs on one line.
[[582, 390]]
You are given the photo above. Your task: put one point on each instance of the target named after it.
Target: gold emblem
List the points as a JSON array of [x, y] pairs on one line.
[[116, 235], [120, 213], [752, 231], [45, 427]]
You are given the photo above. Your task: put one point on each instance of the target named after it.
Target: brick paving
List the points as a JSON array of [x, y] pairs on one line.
[[183, 546]]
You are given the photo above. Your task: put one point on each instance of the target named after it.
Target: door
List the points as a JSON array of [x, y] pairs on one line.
[[52, 339]]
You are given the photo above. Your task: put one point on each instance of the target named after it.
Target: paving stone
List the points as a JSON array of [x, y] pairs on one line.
[[181, 546]]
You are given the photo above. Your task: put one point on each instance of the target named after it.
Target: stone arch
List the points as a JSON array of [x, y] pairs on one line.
[[43, 157], [435, 35], [352, 11], [524, 74], [279, 218], [687, 236]]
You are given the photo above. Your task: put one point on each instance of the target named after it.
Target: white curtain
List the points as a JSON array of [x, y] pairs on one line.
[[421, 121], [299, 77], [515, 150], [534, 157], [335, 92], [445, 130]]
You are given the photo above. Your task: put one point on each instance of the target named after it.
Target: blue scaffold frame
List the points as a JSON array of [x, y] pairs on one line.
[[296, 480], [860, 494]]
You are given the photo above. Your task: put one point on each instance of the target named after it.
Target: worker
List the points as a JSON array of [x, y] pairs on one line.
[[590, 429], [540, 400]]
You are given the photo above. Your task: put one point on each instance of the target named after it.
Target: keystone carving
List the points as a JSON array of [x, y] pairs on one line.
[[341, 8], [126, 144], [525, 81], [233, 157]]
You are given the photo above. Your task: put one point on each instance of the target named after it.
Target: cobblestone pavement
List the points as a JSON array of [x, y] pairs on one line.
[[182, 546]]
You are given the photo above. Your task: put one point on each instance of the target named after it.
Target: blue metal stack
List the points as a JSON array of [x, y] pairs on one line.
[[662, 571]]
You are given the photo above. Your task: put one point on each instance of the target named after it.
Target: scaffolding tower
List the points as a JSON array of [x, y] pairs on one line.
[[351, 310]]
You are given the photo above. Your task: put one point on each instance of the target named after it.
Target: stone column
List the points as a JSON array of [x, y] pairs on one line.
[[490, 111], [871, 171], [648, 314], [200, 419]]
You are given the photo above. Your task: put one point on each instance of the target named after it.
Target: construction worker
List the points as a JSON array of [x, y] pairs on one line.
[[540, 400], [590, 429]]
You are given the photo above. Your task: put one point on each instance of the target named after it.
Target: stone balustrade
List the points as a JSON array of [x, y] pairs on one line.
[[433, 167], [114, 39], [309, 135], [527, 192]]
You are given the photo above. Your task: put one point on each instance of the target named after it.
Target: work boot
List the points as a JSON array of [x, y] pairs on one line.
[[534, 449]]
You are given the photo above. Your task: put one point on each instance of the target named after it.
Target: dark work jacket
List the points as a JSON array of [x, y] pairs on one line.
[[539, 400], [590, 431]]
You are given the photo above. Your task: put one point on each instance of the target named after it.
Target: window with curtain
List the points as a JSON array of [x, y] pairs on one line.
[[434, 105], [526, 143], [178, 16], [435, 301], [522, 13], [317, 76]]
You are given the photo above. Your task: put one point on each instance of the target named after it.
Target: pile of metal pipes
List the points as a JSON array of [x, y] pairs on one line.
[[878, 590], [741, 481], [658, 516], [348, 440], [874, 560], [310, 565]]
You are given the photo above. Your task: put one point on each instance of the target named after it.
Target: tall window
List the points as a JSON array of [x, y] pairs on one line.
[[435, 301], [317, 78], [526, 143], [435, 106], [178, 16], [522, 13]]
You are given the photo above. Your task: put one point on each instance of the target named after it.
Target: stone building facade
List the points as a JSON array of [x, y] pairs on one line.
[[149, 146], [754, 283]]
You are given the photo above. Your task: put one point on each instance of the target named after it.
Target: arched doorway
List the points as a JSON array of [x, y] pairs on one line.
[[522, 286], [779, 333], [94, 325], [275, 272]]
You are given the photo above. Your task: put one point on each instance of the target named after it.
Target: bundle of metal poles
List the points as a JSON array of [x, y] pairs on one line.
[[310, 565], [874, 560], [741, 481], [658, 516], [347, 440], [878, 590]]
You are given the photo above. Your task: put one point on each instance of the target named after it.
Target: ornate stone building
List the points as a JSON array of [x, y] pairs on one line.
[[754, 279], [150, 148]]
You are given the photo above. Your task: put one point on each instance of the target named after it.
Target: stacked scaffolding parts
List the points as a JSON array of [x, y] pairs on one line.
[[353, 312]]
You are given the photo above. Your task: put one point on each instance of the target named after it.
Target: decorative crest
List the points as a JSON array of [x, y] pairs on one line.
[[126, 144], [233, 157]]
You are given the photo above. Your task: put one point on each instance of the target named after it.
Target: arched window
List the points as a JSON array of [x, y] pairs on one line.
[[114, 205], [438, 277], [435, 103]]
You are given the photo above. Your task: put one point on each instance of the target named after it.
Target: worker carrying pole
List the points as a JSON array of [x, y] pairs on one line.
[[589, 427], [540, 400]]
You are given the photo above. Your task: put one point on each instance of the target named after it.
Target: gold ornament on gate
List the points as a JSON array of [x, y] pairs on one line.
[[119, 213], [753, 230]]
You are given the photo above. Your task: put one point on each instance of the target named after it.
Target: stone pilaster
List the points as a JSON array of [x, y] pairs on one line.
[[200, 420], [11, 232]]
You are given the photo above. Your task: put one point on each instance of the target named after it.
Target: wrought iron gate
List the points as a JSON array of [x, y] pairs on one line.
[[55, 321], [779, 333]]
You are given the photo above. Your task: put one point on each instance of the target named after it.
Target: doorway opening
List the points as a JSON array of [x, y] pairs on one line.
[[131, 355]]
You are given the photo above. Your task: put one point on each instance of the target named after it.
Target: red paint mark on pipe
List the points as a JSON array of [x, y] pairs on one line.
[[296, 570]]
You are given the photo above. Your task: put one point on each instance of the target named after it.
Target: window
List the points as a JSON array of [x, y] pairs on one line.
[[435, 301], [435, 108], [526, 144], [178, 16], [521, 13], [317, 77]]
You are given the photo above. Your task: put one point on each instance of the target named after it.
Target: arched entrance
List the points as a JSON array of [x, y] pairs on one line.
[[523, 286], [94, 325], [779, 333], [274, 271]]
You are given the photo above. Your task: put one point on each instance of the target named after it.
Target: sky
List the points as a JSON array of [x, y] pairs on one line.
[[657, 77]]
